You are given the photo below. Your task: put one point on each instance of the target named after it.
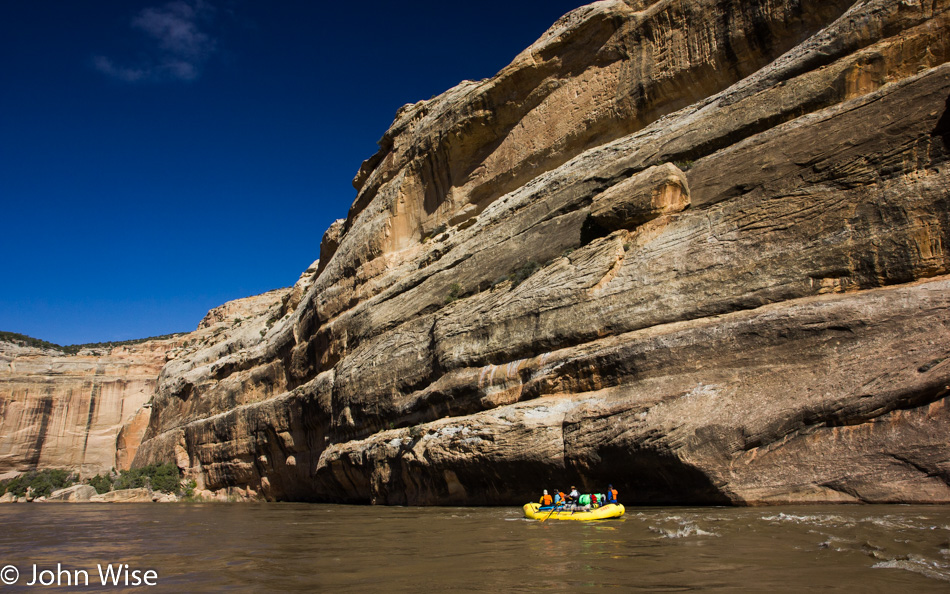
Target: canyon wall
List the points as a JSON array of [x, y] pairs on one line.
[[698, 249], [87, 413], [65, 411]]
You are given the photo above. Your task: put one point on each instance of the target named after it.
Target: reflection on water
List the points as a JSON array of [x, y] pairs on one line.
[[253, 547]]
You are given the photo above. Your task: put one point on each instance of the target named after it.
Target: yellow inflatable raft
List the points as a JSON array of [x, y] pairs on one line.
[[611, 510]]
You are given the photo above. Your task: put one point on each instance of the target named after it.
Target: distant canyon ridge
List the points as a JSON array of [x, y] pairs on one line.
[[698, 249]]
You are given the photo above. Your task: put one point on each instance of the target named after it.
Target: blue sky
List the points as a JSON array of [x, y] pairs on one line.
[[160, 158]]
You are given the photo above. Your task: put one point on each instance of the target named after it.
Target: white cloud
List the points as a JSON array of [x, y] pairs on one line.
[[176, 46], [107, 66], [175, 28]]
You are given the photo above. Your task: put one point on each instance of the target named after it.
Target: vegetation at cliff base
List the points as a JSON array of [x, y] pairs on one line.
[[157, 477], [42, 482], [102, 484]]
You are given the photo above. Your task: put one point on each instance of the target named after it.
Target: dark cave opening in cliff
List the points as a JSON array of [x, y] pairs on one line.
[[647, 477]]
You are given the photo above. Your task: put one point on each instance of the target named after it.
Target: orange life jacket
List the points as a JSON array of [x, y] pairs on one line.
[[613, 494], [547, 500]]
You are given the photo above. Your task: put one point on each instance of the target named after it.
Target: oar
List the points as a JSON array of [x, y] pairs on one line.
[[553, 509]]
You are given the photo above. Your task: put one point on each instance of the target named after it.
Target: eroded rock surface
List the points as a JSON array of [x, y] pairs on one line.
[[64, 411], [697, 249], [87, 413], [644, 196]]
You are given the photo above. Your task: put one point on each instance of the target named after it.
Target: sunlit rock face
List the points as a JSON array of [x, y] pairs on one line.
[[65, 411], [88, 412], [696, 249]]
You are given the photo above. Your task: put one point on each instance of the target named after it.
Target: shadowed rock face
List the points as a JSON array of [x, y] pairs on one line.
[[696, 249]]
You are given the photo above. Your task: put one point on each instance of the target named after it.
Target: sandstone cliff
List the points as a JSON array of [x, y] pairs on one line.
[[64, 411], [696, 248], [88, 412]]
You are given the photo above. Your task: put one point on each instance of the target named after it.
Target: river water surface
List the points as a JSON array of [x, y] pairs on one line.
[[300, 547]]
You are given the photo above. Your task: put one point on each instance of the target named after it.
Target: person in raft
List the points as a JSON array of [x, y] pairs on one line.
[[611, 494], [573, 496], [546, 500]]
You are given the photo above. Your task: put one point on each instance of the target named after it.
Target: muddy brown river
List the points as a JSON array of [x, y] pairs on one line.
[[333, 548]]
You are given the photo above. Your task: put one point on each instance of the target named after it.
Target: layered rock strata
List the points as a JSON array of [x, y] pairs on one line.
[[697, 249], [88, 412], [64, 411]]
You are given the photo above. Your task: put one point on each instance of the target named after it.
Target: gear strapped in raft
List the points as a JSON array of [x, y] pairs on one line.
[[533, 511]]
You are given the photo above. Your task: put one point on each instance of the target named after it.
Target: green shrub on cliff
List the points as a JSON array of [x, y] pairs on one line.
[[455, 293], [520, 274], [432, 234], [523, 272], [684, 165]]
